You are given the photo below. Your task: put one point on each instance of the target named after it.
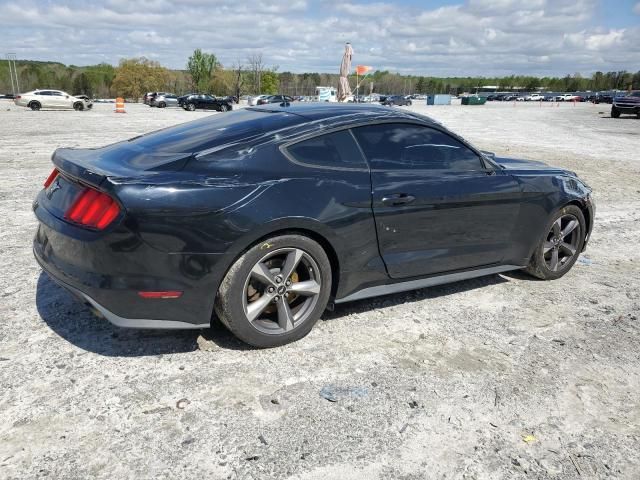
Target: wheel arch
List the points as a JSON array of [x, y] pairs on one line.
[[307, 227]]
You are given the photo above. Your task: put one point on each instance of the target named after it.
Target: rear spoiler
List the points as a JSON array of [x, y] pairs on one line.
[[62, 160], [94, 166]]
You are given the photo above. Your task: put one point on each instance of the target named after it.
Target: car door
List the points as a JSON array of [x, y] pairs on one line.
[[209, 103], [60, 99], [437, 208]]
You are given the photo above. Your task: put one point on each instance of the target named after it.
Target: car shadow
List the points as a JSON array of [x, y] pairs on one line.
[[75, 322], [428, 293]]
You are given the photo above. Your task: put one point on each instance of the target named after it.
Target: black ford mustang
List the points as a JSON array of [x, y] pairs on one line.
[[266, 215]]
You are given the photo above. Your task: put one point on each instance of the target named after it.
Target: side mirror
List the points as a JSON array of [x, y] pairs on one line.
[[66, 96]]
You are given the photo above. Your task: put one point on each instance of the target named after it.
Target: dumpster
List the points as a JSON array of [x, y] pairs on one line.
[[474, 100], [439, 99]]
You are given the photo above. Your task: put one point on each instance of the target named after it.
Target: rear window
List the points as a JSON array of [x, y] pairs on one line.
[[333, 150], [214, 131]]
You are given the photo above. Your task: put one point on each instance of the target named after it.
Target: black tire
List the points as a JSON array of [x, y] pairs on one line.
[[615, 113], [409, 103], [191, 107], [35, 106], [223, 108], [162, 105], [539, 266], [237, 288], [78, 106]]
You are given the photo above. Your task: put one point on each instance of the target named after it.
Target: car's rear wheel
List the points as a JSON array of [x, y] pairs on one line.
[[615, 113], [560, 246], [35, 106], [78, 107], [276, 291], [191, 107], [162, 105]]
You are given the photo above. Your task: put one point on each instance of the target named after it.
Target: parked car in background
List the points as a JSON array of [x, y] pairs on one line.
[[150, 96], [606, 97], [54, 99], [87, 101], [399, 100], [626, 105], [206, 102], [567, 97], [275, 99], [534, 97], [253, 101], [163, 100], [377, 201]]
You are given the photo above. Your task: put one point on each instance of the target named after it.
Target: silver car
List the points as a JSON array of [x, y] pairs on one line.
[[163, 100]]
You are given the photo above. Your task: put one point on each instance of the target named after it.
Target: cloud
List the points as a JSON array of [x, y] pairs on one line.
[[473, 37]]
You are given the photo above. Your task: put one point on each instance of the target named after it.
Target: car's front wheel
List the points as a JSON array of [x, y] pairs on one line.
[[223, 108], [560, 246], [78, 106], [615, 113], [276, 291]]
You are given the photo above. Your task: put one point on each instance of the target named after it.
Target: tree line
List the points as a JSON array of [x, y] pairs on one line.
[[203, 73]]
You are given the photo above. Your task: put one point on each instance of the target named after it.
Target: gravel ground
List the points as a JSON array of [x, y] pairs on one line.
[[502, 377]]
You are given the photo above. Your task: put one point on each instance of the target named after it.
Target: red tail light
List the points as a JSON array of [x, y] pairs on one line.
[[162, 294], [93, 209], [17, 97], [52, 176]]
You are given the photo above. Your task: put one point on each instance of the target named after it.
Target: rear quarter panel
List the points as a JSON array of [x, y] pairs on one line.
[[223, 205]]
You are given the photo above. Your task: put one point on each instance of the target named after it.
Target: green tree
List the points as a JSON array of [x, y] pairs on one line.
[[269, 80], [134, 76], [201, 66]]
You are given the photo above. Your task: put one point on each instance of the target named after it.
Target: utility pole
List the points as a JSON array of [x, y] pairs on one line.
[[13, 73]]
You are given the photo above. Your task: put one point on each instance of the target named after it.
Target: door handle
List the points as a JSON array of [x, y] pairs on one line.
[[398, 199]]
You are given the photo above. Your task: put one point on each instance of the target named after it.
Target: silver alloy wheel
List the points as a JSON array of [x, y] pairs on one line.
[[562, 242], [281, 291]]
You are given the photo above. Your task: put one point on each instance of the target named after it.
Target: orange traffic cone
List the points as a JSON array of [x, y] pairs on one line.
[[120, 105]]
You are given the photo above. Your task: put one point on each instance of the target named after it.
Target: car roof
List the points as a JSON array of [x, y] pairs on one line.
[[338, 113]]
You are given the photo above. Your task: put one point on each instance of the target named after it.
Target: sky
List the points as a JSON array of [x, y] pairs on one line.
[[419, 37]]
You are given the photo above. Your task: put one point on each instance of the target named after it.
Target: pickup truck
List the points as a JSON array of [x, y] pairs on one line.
[[627, 105], [534, 97]]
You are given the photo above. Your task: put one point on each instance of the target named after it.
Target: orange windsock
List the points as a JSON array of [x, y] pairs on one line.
[[362, 69]]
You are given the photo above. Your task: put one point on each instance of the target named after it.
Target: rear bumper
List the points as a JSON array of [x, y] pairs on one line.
[[104, 312]]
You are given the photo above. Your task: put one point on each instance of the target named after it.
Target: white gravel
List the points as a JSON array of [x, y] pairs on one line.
[[502, 377]]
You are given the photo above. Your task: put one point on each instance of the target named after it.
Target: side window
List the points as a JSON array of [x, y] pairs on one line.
[[394, 146], [334, 150]]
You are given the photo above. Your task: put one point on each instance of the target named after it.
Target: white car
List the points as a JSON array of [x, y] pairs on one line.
[[534, 97], [567, 97], [55, 99], [253, 101]]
